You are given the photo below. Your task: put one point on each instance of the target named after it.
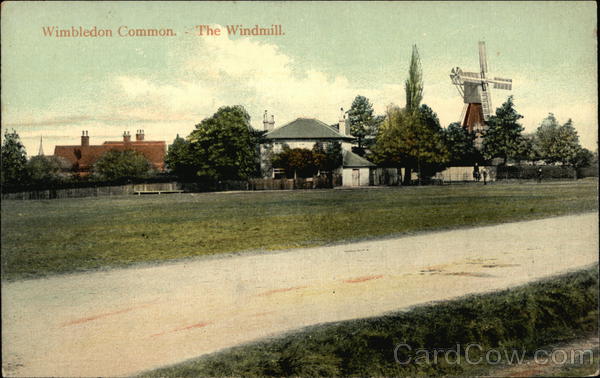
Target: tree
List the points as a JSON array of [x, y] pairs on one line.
[[14, 159], [388, 150], [413, 140], [224, 146], [503, 137], [413, 86], [179, 159], [258, 139], [334, 156], [584, 158], [319, 156], [363, 125], [545, 137], [115, 165], [556, 143], [296, 161], [525, 149], [47, 168], [430, 151], [411, 137], [327, 158], [461, 145]]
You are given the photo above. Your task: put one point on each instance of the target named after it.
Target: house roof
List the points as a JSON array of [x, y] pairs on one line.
[[84, 157], [352, 160], [306, 128]]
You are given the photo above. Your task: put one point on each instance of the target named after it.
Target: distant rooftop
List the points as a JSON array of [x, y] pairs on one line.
[[306, 128]]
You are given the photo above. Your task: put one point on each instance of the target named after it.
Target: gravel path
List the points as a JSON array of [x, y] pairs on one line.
[[125, 321]]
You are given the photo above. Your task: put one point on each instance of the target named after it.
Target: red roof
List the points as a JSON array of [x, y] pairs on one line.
[[84, 157]]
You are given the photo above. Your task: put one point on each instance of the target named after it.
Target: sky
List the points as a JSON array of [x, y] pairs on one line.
[[330, 53]]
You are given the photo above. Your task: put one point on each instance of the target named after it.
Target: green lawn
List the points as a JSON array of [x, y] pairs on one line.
[[57, 236]]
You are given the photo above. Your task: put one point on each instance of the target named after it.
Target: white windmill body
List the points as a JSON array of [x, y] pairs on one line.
[[474, 88]]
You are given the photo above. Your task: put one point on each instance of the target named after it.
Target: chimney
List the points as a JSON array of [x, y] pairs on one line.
[[139, 135], [272, 122], [343, 125], [126, 137], [85, 139], [266, 122]]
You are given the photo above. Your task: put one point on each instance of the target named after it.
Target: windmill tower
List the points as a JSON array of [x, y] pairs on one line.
[[474, 88]]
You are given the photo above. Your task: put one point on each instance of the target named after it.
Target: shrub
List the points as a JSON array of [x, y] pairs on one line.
[[115, 165], [529, 172], [47, 169]]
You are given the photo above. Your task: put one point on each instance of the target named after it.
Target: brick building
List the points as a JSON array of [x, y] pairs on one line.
[[83, 156]]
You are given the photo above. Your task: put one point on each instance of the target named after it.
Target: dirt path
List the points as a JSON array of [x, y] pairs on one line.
[[125, 321], [555, 362]]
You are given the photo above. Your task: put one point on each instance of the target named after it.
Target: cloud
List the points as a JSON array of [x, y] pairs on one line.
[[219, 71], [206, 73]]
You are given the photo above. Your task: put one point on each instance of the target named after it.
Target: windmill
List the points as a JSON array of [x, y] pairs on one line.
[[474, 88]]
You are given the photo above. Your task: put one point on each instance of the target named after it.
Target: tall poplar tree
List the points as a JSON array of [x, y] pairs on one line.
[[413, 86]]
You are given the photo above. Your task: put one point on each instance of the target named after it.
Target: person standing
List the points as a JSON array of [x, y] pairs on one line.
[[485, 174], [539, 175], [476, 172]]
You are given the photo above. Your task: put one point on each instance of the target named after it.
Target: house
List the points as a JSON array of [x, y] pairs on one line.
[[304, 133], [82, 157]]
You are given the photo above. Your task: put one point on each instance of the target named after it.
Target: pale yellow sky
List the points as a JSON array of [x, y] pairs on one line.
[[331, 52]]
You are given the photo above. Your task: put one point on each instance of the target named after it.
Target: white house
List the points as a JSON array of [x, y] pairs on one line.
[[304, 133]]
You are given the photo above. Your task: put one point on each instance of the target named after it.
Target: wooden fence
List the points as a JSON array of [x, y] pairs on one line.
[[385, 176], [228, 185], [465, 174], [379, 176], [317, 182], [114, 190]]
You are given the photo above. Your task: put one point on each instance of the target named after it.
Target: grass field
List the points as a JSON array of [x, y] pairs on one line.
[[58, 236], [534, 316]]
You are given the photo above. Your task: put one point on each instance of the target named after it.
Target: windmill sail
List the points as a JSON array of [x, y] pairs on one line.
[[486, 104], [482, 59], [471, 76], [475, 89], [463, 114], [501, 83]]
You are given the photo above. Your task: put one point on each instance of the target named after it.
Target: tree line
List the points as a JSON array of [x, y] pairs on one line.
[[226, 147], [411, 137], [39, 171]]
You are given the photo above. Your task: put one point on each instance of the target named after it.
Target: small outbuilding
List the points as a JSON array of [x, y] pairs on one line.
[[356, 170]]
